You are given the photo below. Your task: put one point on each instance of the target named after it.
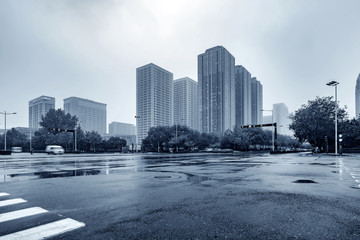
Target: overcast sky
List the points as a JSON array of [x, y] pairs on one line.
[[91, 48]]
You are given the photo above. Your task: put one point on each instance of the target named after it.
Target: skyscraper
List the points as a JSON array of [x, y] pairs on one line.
[[39, 107], [186, 103], [216, 87], [154, 99], [357, 98], [242, 95], [256, 101], [91, 114], [281, 117]]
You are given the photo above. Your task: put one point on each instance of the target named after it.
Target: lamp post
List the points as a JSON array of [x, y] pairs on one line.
[[5, 114], [272, 128], [334, 84]]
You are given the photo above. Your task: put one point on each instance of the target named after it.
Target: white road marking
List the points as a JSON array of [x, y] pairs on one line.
[[4, 194], [11, 202], [21, 213], [45, 231]]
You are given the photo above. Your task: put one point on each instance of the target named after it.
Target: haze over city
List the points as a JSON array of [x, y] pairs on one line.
[[91, 49]]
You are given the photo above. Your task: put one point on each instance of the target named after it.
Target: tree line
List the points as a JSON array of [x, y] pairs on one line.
[[57, 119], [181, 138], [314, 122]]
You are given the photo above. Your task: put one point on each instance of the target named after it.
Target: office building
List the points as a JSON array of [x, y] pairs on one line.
[[119, 128], [154, 99], [267, 119], [256, 101], [186, 103], [216, 90], [91, 115], [357, 98], [39, 107], [242, 96], [281, 117]]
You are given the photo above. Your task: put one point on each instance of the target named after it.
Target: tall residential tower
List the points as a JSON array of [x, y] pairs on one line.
[[256, 101], [154, 99], [242, 95], [186, 103], [39, 107], [216, 90]]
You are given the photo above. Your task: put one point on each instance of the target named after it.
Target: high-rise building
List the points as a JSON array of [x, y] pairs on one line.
[[242, 95], [186, 103], [154, 99], [256, 101], [281, 117], [357, 98], [91, 115], [39, 107], [216, 90], [121, 129]]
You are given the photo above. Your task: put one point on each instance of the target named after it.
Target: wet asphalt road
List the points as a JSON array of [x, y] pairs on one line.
[[187, 196]]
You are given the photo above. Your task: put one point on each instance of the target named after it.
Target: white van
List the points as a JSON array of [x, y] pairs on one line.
[[16, 149], [54, 149]]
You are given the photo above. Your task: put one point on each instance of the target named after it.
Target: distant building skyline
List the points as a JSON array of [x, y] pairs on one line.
[[186, 103], [216, 86], [91, 115], [39, 107], [256, 101], [154, 99], [357, 97]]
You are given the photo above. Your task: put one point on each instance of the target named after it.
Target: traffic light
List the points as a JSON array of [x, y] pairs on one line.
[[340, 145]]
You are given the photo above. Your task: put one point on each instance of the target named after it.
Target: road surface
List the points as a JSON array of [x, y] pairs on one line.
[[180, 196]]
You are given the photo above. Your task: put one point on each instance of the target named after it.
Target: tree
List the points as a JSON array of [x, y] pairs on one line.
[[350, 130], [14, 138], [115, 143], [315, 120], [93, 139], [58, 119]]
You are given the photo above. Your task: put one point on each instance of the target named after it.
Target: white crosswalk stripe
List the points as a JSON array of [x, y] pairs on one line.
[[45, 231], [11, 202], [21, 213], [4, 194]]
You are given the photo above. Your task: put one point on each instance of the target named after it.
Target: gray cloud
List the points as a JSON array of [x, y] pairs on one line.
[[90, 49]]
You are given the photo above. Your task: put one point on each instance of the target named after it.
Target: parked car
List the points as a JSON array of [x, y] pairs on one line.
[[54, 149], [16, 149]]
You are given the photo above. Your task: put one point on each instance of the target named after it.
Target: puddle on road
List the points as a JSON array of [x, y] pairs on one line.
[[304, 181], [64, 173]]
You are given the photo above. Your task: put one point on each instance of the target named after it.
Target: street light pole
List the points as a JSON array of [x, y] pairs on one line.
[[334, 84], [5, 113], [272, 128]]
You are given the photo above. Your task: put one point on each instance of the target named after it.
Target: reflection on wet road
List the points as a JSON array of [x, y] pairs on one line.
[[195, 167], [25, 166]]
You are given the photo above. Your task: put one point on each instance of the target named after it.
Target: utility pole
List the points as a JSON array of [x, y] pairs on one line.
[[334, 84]]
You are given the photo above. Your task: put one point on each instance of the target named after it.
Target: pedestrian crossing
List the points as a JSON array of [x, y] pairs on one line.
[[18, 221], [353, 171]]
